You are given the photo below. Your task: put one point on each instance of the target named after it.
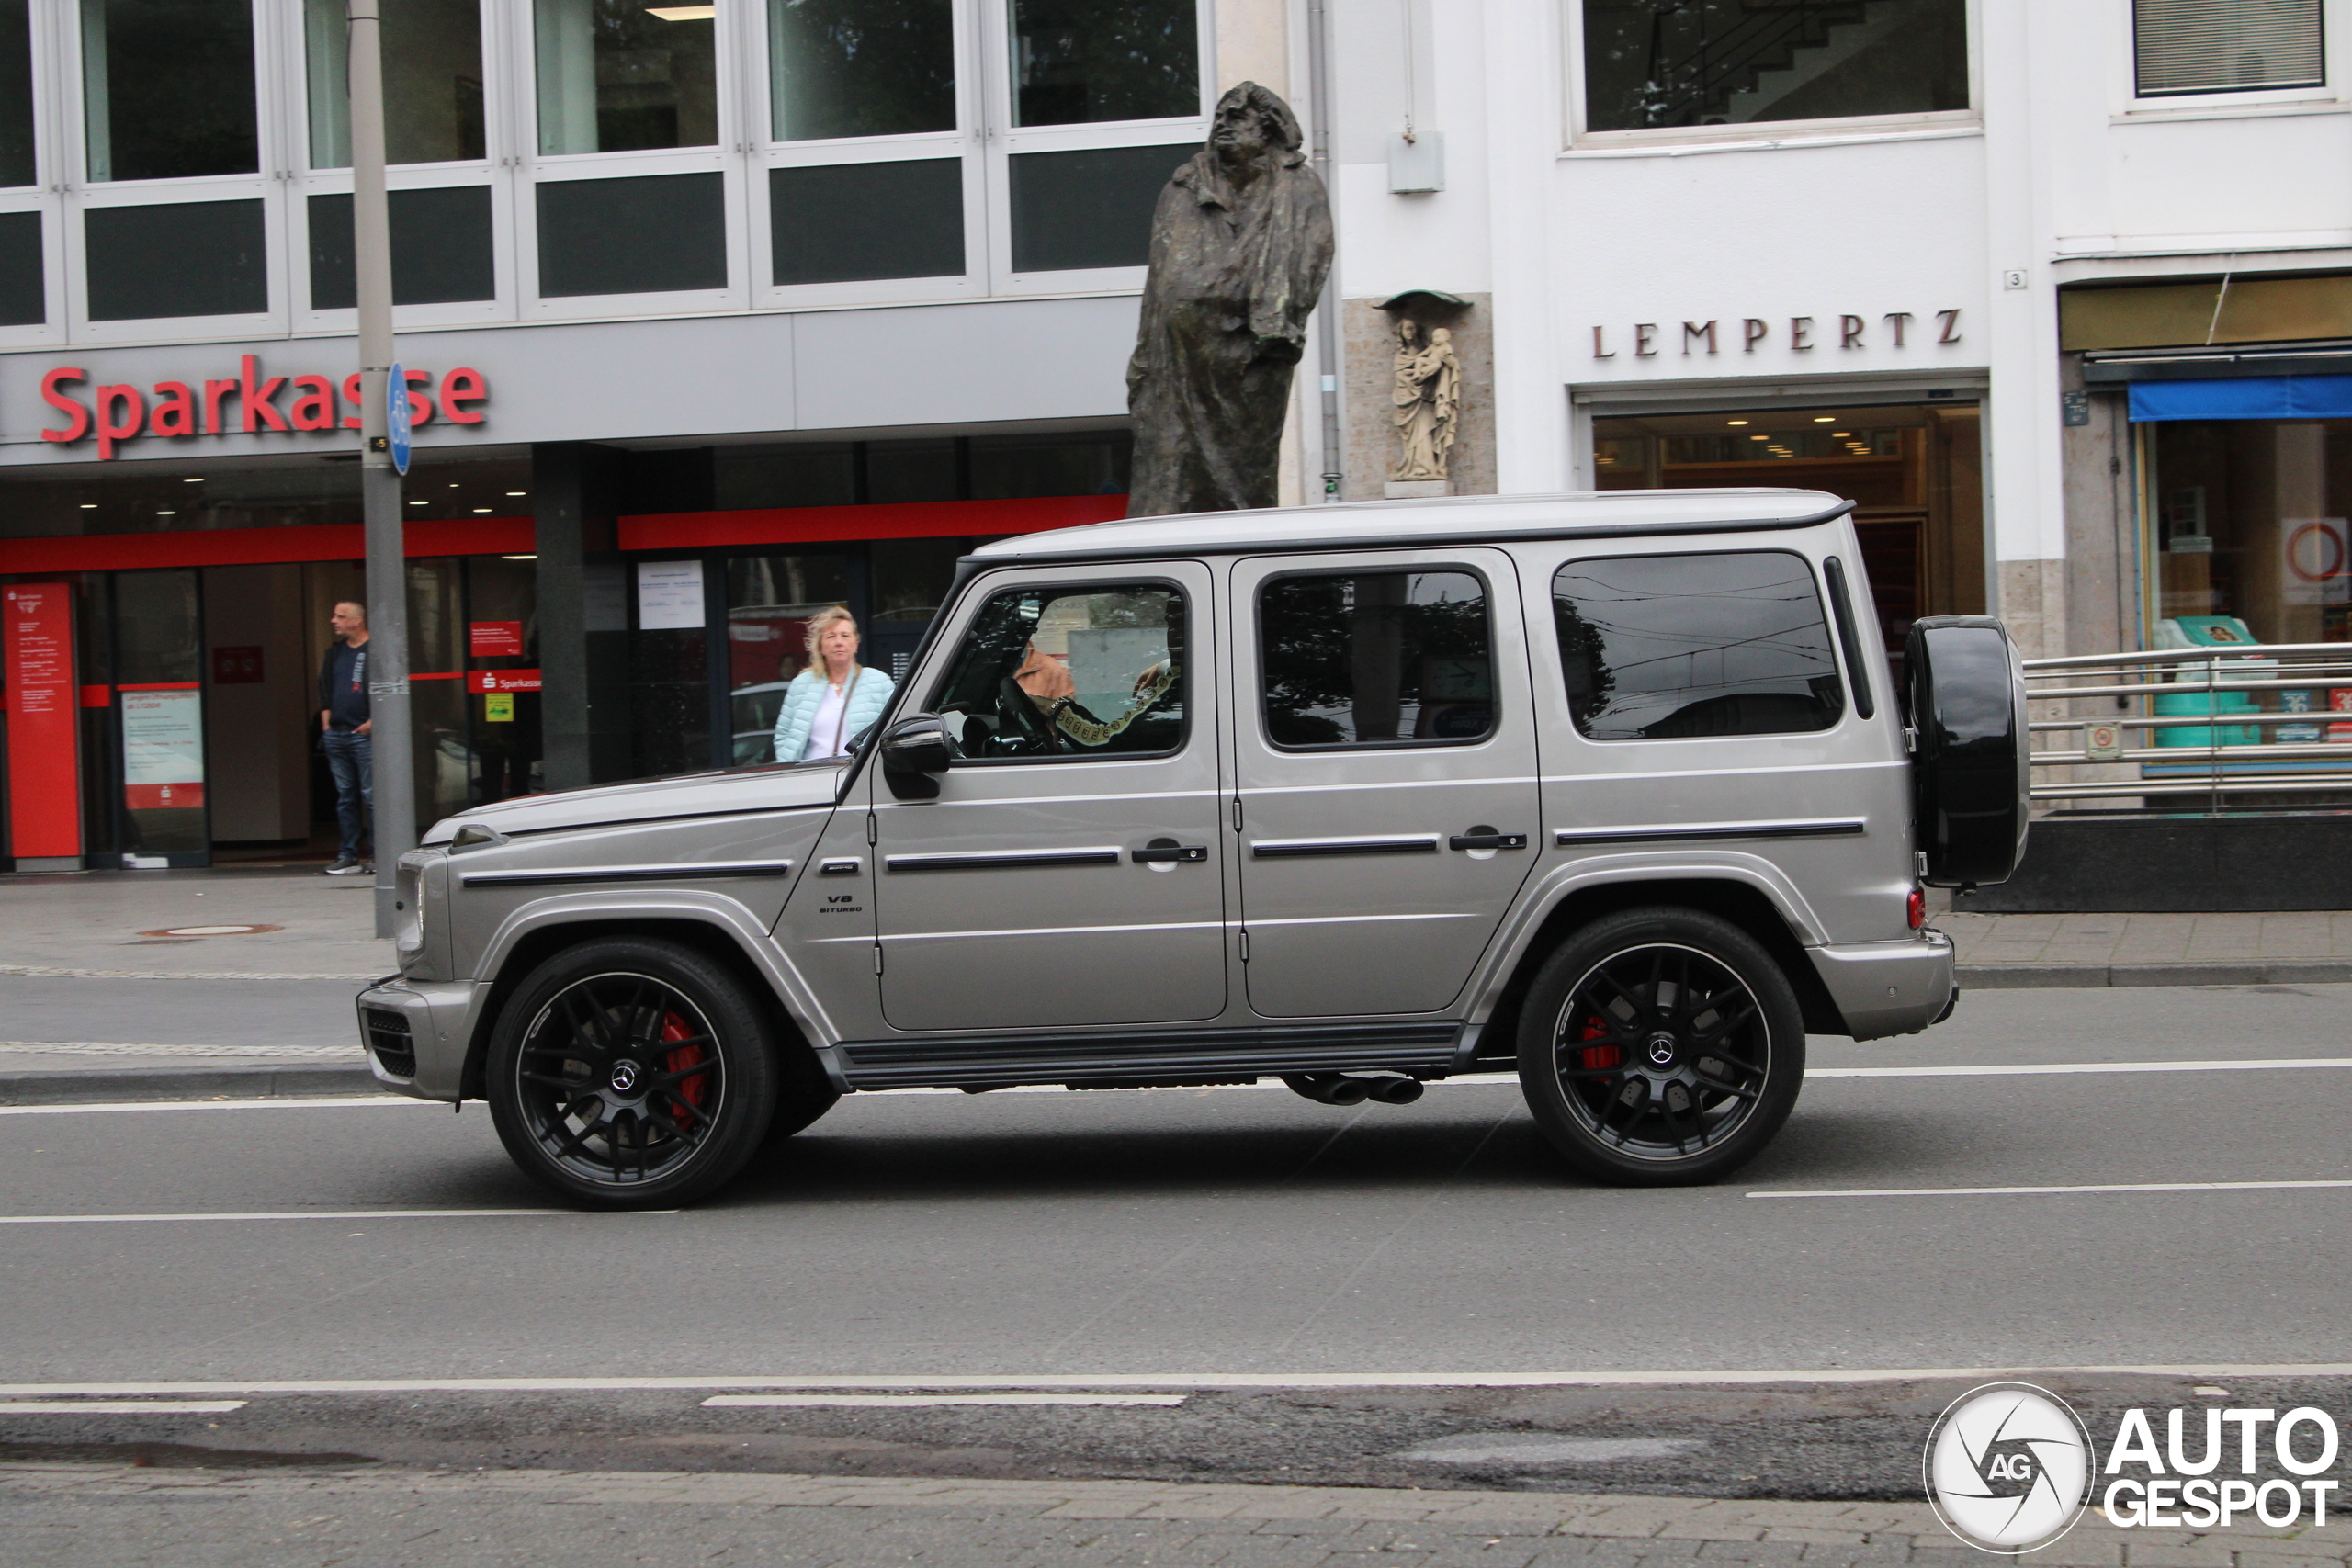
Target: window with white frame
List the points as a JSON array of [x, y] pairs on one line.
[[2226, 46], [24, 295], [890, 158], [175, 221], [187, 161], [1667, 64], [434, 114]]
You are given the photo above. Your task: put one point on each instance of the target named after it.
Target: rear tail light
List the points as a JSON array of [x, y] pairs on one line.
[[1914, 909]]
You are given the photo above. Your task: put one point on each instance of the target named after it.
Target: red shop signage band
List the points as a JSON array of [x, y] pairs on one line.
[[247, 403]]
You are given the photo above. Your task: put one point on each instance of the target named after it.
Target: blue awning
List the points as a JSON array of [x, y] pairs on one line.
[[2246, 396]]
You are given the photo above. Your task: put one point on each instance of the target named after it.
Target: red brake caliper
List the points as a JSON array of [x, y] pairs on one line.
[[692, 1090], [1598, 1058]]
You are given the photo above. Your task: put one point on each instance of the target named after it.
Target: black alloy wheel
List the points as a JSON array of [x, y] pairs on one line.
[[1660, 1046], [631, 1074]]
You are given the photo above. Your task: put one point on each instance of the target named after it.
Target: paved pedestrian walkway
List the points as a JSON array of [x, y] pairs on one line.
[[77, 1514], [2151, 950], [164, 924]]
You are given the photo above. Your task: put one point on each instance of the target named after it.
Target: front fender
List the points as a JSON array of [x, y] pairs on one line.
[[738, 922]]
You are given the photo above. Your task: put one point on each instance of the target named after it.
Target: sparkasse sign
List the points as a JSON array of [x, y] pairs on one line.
[[119, 412]]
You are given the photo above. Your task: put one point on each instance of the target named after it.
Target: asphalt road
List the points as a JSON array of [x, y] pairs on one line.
[[1227, 1248]]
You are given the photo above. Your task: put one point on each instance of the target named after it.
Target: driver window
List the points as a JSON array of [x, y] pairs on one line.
[[1048, 673]]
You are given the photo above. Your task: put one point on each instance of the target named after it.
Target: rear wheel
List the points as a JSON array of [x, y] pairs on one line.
[[1660, 1046], [630, 1073]]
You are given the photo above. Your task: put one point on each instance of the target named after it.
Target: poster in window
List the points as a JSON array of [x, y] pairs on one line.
[[163, 749], [668, 595]]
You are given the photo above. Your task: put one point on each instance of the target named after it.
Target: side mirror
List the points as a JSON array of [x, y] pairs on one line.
[[915, 752]]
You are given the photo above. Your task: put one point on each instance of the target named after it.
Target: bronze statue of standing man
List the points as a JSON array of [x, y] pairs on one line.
[[1240, 246]]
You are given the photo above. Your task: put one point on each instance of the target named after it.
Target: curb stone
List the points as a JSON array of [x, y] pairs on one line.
[[2254, 972], [100, 1084]]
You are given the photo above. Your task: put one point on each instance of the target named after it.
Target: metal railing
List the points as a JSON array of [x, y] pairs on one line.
[[2234, 729]]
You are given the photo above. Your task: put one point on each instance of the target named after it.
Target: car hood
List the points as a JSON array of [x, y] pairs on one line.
[[775, 787]]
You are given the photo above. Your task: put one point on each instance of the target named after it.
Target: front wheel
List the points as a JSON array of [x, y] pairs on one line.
[[1660, 1046], [631, 1074]]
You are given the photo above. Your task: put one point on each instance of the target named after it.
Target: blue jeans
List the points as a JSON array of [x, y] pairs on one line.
[[350, 758]]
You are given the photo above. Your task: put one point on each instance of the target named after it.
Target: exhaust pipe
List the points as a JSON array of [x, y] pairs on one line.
[[1344, 1088]]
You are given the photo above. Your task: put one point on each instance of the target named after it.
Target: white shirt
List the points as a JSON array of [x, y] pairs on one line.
[[824, 730]]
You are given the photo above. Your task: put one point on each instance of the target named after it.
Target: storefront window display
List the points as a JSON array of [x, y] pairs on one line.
[[2247, 519]]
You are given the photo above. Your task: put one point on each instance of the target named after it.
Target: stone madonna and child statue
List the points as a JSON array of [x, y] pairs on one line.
[[1241, 246], [1428, 396]]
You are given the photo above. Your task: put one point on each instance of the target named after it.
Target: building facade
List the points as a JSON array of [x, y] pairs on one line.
[[722, 312]]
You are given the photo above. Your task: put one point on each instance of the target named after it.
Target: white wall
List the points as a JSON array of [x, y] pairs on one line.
[[2058, 174]]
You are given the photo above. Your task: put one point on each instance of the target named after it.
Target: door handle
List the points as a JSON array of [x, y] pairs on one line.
[[1167, 852], [1484, 838]]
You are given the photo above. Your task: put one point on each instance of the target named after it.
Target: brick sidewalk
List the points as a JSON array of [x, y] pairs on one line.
[[265, 1519]]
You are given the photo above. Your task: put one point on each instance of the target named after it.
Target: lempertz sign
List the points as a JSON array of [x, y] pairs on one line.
[[248, 403]]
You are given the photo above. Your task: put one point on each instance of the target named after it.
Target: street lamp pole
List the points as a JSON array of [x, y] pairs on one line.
[[379, 482]]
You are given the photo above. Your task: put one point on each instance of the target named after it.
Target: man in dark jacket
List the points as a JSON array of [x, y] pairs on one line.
[[343, 717]]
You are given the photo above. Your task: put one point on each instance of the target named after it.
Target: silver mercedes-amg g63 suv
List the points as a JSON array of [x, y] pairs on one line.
[[1615, 790]]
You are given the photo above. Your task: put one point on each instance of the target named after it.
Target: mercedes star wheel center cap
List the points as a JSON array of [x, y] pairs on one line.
[[625, 1076], [1661, 1050]]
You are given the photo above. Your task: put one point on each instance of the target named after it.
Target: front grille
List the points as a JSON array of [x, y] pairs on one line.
[[390, 1042]]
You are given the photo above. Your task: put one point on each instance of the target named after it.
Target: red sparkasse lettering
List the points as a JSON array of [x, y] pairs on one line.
[[465, 384], [78, 410], [420, 402], [175, 410], [111, 429], [256, 400], [178, 409], [214, 392], [314, 408]]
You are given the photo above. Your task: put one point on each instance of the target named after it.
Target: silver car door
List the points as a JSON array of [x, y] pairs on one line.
[[1385, 770], [1069, 872]]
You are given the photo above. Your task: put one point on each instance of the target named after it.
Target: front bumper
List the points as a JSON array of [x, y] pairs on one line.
[[1888, 987], [417, 1036]]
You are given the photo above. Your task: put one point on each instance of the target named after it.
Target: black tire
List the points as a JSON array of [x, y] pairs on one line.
[[628, 1073], [1660, 1047]]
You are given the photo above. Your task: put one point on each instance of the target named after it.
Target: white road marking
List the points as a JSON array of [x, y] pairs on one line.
[[2028, 1069], [2028, 1191], [108, 1048], [921, 1381], [304, 1102], [119, 1407], [328, 1215], [830, 1400], [48, 972]]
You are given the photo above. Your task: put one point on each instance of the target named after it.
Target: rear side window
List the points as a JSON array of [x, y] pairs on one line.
[[1376, 659], [1659, 647]]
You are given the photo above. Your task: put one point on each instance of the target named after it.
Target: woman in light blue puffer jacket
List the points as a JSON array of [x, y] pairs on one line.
[[831, 701]]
